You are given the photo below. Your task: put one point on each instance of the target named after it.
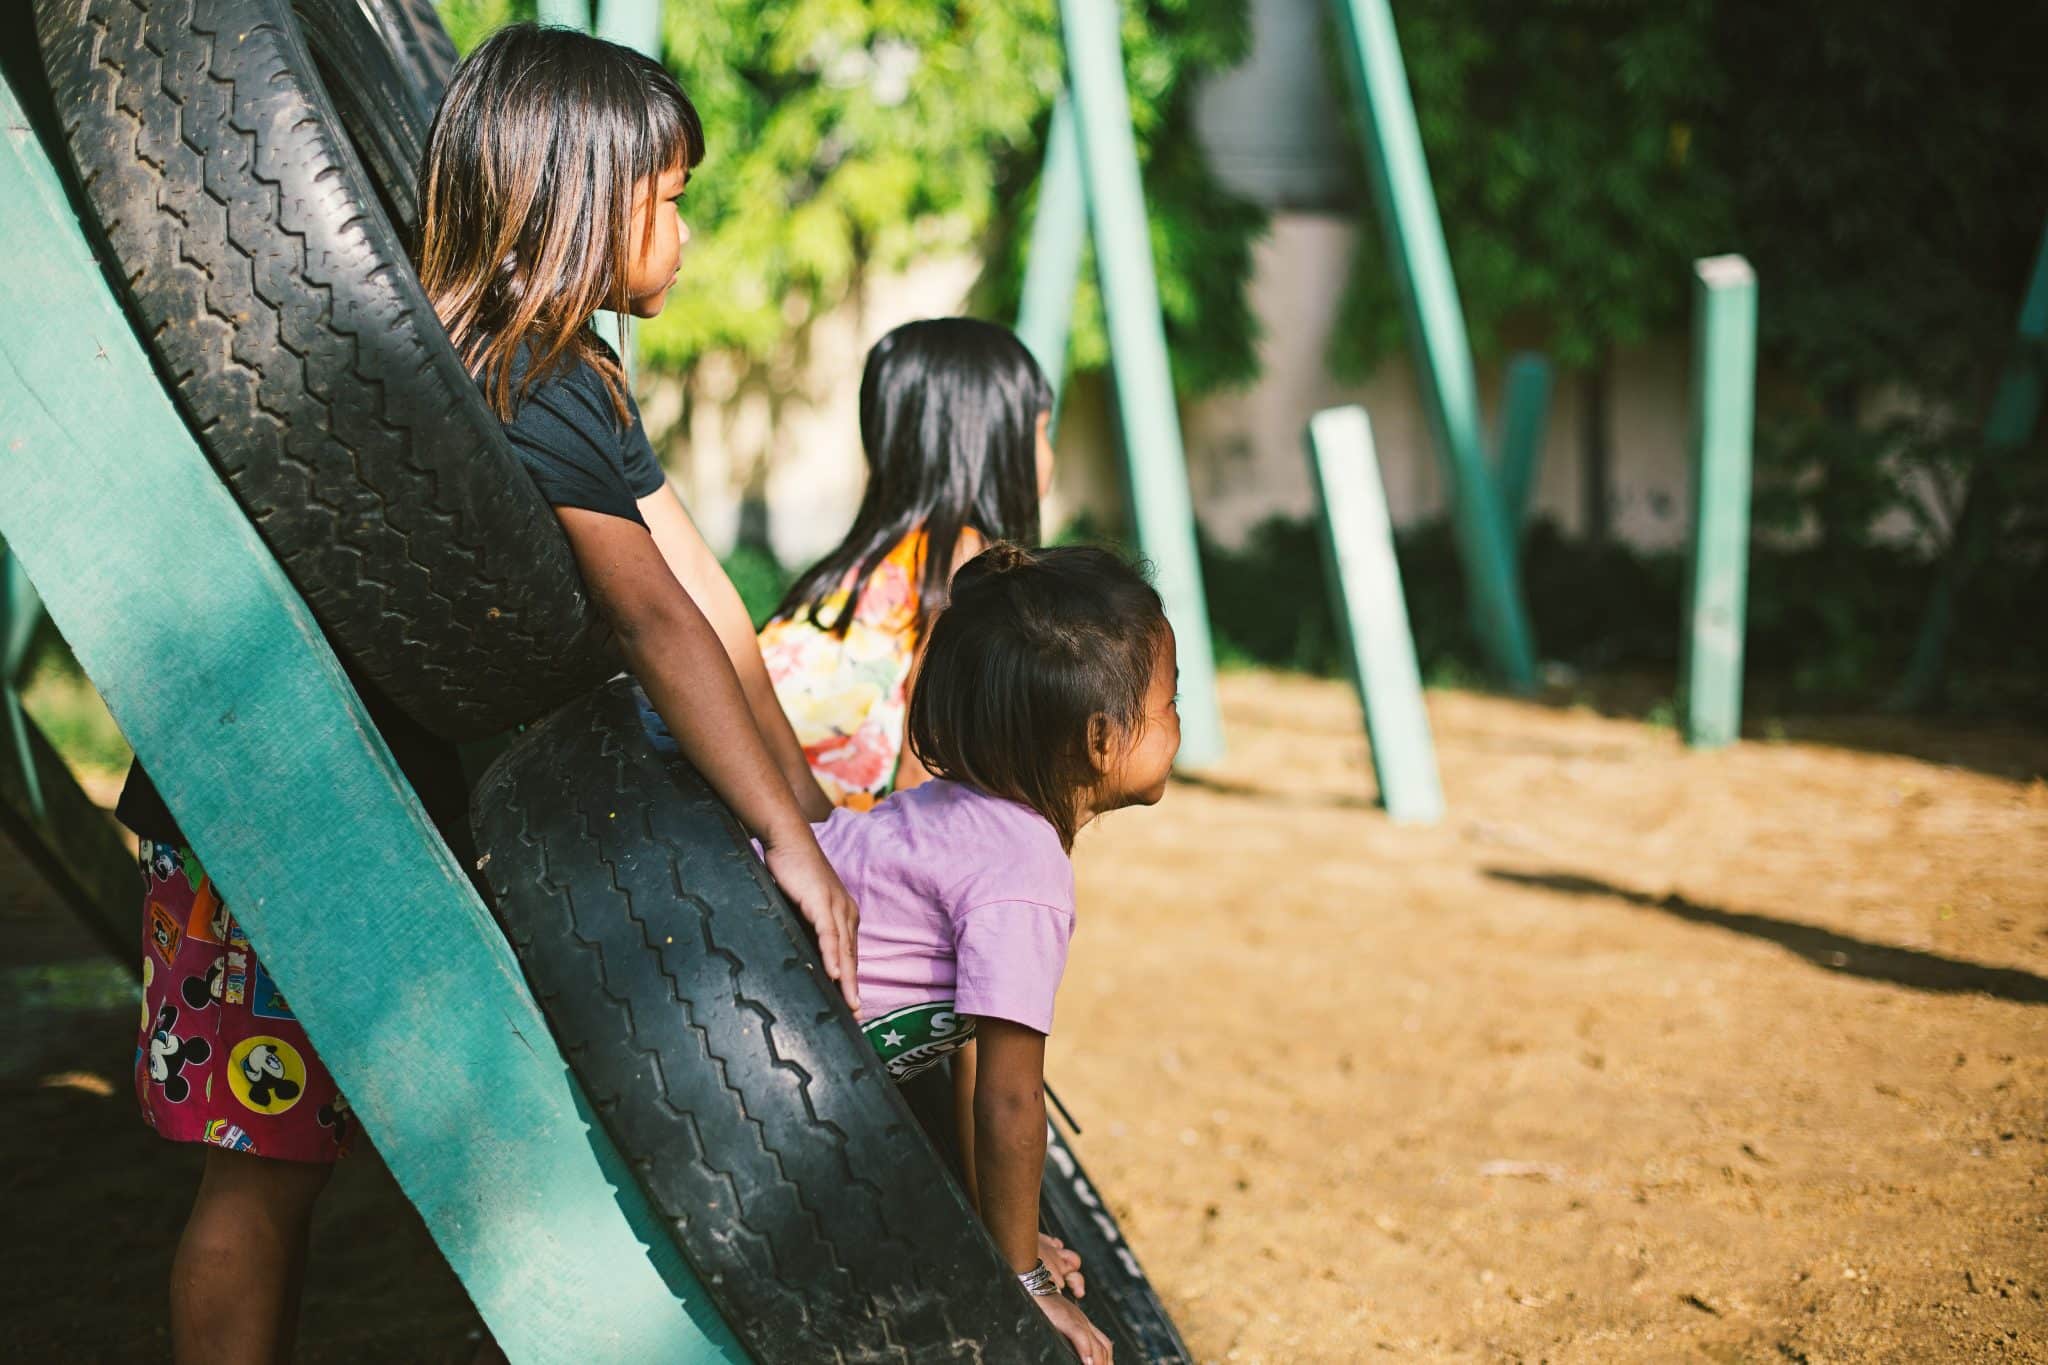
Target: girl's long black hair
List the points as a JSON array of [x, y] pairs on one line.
[[949, 419], [527, 193]]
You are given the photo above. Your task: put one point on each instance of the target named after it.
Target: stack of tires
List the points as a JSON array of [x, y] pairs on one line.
[[250, 165]]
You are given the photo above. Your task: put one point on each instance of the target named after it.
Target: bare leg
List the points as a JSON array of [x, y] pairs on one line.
[[236, 1277]]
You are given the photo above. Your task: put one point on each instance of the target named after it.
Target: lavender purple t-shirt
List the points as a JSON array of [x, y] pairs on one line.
[[963, 896]]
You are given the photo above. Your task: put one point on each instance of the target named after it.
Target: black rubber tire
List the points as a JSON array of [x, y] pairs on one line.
[[274, 293], [690, 1003], [1118, 1289], [382, 94], [412, 31]]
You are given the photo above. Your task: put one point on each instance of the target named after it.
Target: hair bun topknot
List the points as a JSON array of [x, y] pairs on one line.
[[1002, 556], [998, 561]]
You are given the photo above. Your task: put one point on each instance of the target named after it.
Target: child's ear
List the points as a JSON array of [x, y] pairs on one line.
[[1102, 742]]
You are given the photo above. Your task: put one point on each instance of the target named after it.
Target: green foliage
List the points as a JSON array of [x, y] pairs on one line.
[[62, 702], [760, 580], [1570, 143], [1880, 164], [1826, 628], [1202, 235], [849, 137], [469, 22], [1890, 189], [845, 138]]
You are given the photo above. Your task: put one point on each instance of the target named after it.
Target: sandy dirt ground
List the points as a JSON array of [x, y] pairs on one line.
[[1640, 1055]]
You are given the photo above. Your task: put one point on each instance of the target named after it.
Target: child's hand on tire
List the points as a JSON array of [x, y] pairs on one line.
[[814, 889], [1065, 1265], [1068, 1320]]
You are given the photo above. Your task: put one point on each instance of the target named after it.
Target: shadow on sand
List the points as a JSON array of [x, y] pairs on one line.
[[1822, 947]]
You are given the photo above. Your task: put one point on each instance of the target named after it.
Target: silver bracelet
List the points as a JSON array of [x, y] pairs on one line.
[[1038, 1282]]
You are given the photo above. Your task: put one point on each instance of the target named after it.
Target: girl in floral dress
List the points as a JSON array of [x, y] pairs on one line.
[[953, 417]]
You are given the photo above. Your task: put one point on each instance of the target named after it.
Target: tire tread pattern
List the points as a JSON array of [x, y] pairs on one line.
[[278, 302], [693, 1009]]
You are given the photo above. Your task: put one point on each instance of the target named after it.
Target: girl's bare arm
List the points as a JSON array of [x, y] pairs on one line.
[[1009, 1161], [1009, 1134], [683, 666], [704, 578]]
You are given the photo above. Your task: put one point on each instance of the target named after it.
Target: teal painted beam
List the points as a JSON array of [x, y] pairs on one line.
[[1052, 265], [1724, 405], [1525, 414], [631, 23], [43, 811], [1161, 506], [73, 844], [223, 684], [1399, 175], [1372, 613], [2008, 426], [20, 610], [567, 13], [635, 24]]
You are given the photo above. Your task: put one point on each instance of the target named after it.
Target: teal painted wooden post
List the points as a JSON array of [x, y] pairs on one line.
[[631, 23], [567, 13], [74, 844], [1723, 396], [20, 610], [1161, 507], [635, 24], [222, 682], [1436, 330], [1365, 587], [2015, 409], [1525, 413], [42, 809], [1052, 269]]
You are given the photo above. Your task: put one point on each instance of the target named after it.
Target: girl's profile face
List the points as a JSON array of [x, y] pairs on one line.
[[652, 271], [1137, 774]]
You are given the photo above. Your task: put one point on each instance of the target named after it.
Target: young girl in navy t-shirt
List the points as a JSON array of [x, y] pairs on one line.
[[552, 187], [550, 191]]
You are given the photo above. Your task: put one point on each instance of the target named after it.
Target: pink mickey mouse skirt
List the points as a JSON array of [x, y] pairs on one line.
[[220, 1059]]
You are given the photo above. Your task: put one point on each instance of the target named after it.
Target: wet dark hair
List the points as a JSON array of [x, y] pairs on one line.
[[526, 199], [1032, 647], [949, 420]]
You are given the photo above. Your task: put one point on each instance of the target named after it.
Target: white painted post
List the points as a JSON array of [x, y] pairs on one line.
[[1365, 583]]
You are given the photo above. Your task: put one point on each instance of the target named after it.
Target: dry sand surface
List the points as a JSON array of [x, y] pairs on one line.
[[1641, 1055]]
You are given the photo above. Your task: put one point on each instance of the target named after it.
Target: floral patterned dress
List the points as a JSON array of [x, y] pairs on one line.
[[846, 695]]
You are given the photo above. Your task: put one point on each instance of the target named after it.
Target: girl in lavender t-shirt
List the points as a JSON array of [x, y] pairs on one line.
[[1045, 697]]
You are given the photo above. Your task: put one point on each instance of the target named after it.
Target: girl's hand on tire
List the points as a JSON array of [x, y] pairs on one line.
[[1065, 1265], [800, 869], [1071, 1323]]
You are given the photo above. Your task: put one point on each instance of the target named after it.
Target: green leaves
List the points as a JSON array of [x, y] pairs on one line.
[[1549, 130], [1202, 235], [1880, 162], [846, 138], [850, 137]]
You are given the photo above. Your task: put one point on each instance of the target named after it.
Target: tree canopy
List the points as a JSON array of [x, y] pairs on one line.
[[1880, 162], [851, 136]]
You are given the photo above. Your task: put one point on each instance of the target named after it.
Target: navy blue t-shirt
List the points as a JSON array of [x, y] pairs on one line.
[[570, 440], [569, 437]]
